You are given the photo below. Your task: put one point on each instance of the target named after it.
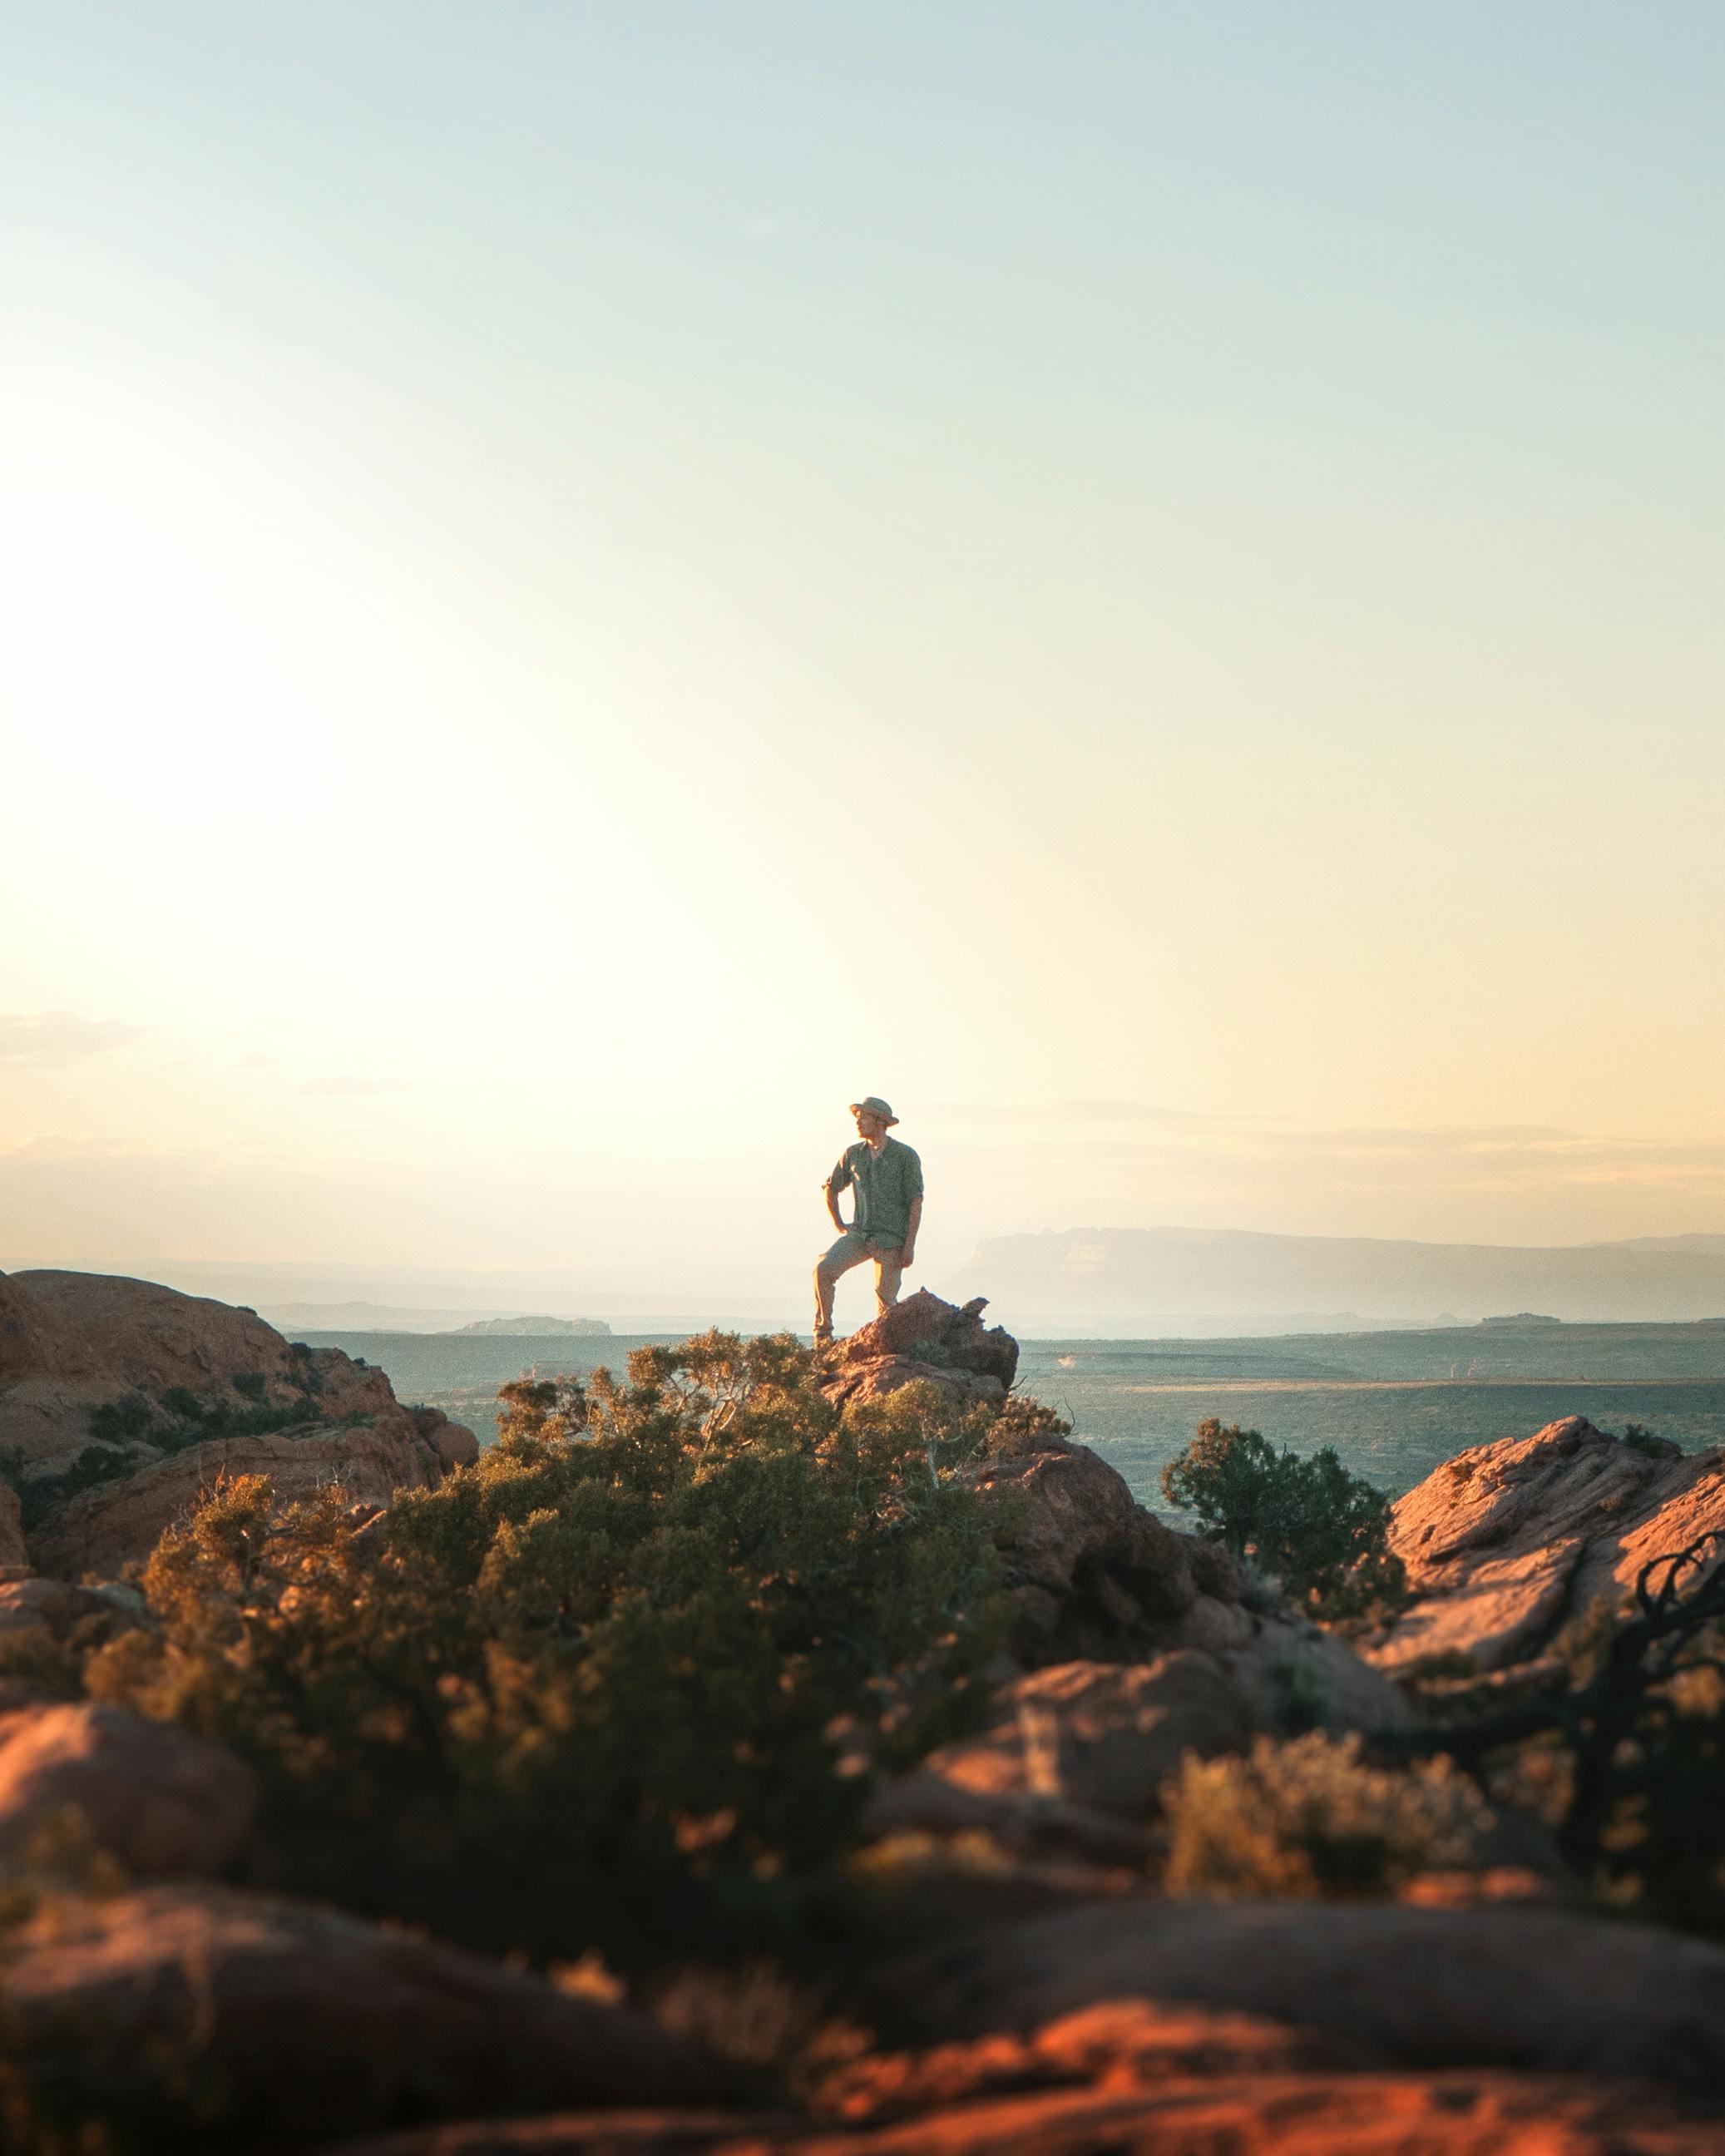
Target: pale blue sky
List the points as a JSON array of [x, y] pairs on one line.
[[563, 545]]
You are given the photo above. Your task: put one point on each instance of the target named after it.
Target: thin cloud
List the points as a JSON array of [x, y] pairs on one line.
[[347, 1087], [1060, 1111], [60, 1036]]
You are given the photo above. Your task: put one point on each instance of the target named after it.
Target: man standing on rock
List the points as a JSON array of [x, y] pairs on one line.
[[887, 1179]]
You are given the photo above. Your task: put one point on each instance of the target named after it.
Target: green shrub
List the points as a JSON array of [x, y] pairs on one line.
[[617, 1685], [1639, 1438], [1320, 1532], [1308, 1820]]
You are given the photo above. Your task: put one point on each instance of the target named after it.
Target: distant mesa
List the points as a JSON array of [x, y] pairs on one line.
[[1522, 1318], [537, 1328]]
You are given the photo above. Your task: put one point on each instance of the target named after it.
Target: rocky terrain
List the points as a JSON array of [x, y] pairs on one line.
[[1132, 1644], [1042, 1998], [121, 1400], [1505, 1544]]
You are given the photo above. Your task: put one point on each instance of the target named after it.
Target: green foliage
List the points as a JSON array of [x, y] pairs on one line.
[[1639, 1438], [1309, 1819], [618, 1684], [1621, 1744], [40, 1494], [118, 1422], [1319, 1530]]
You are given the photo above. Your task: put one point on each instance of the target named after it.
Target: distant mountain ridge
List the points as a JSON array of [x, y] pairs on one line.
[[1109, 1278], [538, 1328]]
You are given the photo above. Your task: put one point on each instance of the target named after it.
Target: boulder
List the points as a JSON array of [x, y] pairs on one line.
[[175, 1389], [1523, 1988], [1096, 1577], [204, 2017], [1506, 1542], [163, 1802], [1107, 1735], [923, 1338], [62, 1610]]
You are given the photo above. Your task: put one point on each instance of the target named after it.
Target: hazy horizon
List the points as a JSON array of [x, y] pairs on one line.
[[1108, 1283], [590, 584]]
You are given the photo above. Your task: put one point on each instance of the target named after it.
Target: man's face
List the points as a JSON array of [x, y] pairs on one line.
[[870, 1127]]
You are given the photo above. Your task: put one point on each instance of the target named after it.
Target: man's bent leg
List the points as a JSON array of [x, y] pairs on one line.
[[889, 1271], [851, 1250]]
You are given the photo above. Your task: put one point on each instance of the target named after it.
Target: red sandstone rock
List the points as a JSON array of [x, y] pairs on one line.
[[117, 1523], [163, 1802], [924, 1338], [1097, 1578], [1505, 1542], [1103, 1735], [212, 2017], [1243, 2114], [74, 1344], [1522, 1988]]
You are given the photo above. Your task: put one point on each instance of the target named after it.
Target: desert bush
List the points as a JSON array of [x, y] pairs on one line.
[[1309, 1819], [618, 1684], [1320, 1532], [1639, 1438], [1621, 1743]]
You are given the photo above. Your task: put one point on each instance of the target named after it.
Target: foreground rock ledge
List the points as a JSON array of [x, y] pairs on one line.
[[1268, 2115], [297, 2023]]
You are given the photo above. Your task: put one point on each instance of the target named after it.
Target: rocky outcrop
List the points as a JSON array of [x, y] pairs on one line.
[[103, 1530], [164, 1803], [221, 2019], [148, 1396], [923, 1338], [1506, 1543], [1096, 1577], [1132, 1644]]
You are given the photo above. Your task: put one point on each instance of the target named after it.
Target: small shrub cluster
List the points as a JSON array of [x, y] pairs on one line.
[[1319, 1531], [1622, 1746], [120, 1429], [1309, 1819], [1639, 1438], [618, 1685]]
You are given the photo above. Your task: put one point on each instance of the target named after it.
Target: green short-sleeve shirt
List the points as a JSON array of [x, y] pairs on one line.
[[884, 1182]]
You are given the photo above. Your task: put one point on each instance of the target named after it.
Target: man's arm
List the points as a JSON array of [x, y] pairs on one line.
[[839, 1179], [908, 1254]]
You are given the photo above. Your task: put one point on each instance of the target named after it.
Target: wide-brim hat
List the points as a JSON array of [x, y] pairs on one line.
[[873, 1105]]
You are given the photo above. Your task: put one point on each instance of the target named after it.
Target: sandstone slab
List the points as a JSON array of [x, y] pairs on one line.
[[214, 2019], [1244, 2114], [1506, 1542], [1521, 1989]]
